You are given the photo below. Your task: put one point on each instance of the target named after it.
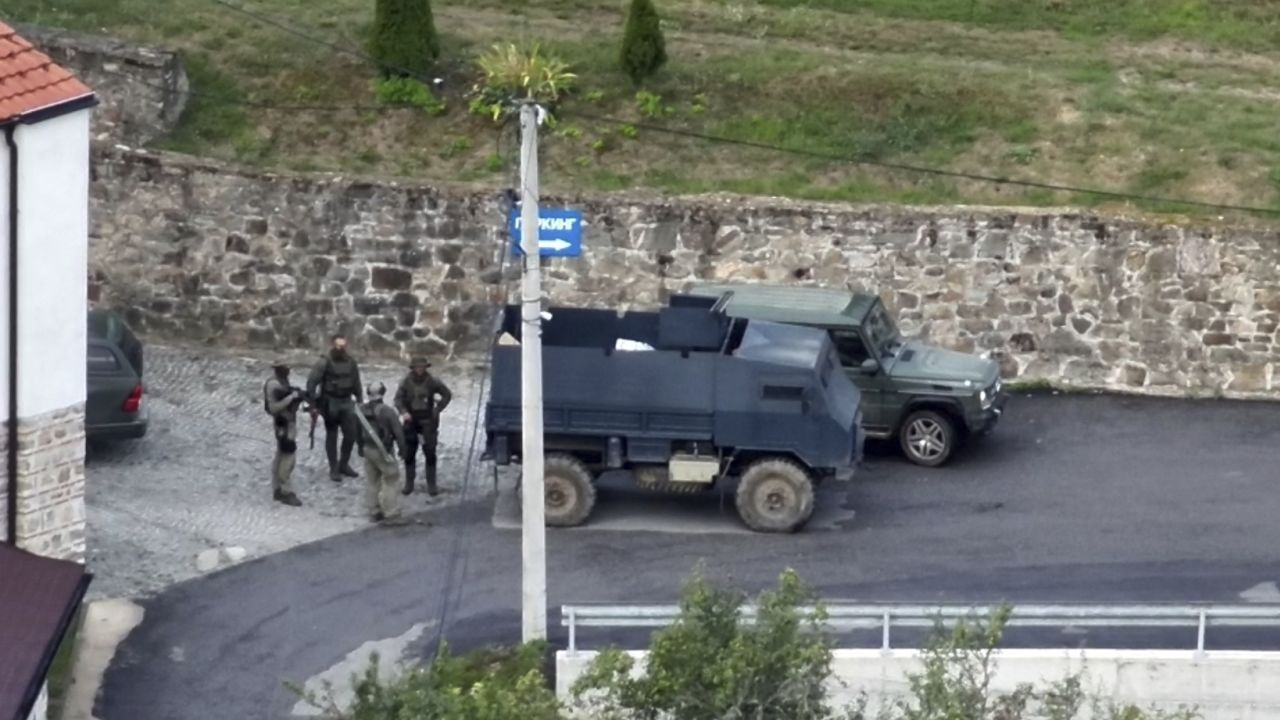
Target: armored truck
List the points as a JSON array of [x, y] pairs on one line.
[[682, 400], [928, 398]]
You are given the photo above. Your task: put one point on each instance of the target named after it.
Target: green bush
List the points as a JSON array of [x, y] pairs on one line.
[[407, 91], [711, 665], [484, 685], [643, 48], [404, 37]]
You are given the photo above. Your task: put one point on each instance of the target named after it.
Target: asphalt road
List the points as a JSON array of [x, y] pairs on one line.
[[1073, 498]]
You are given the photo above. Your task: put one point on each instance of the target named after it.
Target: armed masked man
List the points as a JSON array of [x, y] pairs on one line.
[[420, 399], [281, 401], [334, 385]]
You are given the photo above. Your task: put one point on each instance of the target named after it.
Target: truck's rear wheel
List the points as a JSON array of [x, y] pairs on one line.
[[775, 495], [570, 494]]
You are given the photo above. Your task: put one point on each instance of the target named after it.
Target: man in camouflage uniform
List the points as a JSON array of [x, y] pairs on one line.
[[420, 399], [381, 440], [337, 379], [281, 401]]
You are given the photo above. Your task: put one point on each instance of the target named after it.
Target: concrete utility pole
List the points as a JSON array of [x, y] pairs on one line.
[[533, 500]]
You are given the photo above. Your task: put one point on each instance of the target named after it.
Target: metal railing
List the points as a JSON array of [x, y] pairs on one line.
[[845, 616]]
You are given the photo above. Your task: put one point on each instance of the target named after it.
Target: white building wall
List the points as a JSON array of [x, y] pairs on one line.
[[53, 227], [53, 233]]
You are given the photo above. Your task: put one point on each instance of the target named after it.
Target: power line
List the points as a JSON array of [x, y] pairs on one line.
[[451, 588], [268, 20], [256, 105], [814, 154], [917, 169]]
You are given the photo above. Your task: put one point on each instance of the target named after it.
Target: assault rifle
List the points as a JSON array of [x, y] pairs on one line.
[[309, 405], [313, 409]]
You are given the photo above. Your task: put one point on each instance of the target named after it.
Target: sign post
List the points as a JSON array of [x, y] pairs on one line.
[[533, 606]]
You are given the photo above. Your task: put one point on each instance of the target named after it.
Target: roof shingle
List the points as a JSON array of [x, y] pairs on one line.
[[29, 80]]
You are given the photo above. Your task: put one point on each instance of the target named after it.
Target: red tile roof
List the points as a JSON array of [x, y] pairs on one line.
[[29, 80], [38, 599]]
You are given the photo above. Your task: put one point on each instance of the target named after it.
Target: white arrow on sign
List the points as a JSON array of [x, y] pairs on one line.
[[556, 244]]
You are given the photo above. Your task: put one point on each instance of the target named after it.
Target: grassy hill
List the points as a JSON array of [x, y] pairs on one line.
[[1159, 97]]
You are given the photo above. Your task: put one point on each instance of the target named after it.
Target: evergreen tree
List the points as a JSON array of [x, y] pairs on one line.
[[404, 37], [643, 48]]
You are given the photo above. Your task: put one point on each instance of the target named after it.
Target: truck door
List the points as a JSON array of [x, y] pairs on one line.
[[853, 353]]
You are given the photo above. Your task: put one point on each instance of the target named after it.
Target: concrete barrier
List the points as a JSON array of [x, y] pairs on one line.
[[1219, 685]]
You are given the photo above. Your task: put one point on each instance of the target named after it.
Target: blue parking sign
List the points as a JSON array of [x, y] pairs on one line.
[[559, 232]]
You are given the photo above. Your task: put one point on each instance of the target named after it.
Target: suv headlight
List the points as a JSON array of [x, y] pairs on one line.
[[983, 398]]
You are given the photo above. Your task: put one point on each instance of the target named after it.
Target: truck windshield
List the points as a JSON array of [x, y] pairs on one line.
[[881, 332]]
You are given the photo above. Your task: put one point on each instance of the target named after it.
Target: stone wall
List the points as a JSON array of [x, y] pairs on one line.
[[141, 90], [193, 249], [50, 484]]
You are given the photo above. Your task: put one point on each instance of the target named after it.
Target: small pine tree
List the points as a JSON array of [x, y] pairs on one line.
[[643, 48], [404, 37]]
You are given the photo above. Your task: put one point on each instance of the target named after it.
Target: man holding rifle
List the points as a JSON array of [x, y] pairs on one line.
[[281, 401]]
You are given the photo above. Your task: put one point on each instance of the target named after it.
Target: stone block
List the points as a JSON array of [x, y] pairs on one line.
[[1066, 343], [1253, 377], [1218, 338], [1134, 375], [390, 278]]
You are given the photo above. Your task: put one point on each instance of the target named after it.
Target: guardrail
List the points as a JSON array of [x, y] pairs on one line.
[[845, 616]]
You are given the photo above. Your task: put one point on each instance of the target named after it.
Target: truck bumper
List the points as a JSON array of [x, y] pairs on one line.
[[986, 421]]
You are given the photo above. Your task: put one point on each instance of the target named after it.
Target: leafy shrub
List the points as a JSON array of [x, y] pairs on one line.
[[650, 104], [643, 47], [407, 91], [710, 664], [498, 683], [511, 73], [404, 37]]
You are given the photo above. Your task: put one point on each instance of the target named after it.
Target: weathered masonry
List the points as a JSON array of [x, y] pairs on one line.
[[194, 249]]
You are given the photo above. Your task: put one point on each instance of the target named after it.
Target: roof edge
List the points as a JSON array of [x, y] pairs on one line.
[[51, 651], [84, 101]]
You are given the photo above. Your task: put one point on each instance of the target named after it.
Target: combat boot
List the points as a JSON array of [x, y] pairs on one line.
[[408, 479], [432, 490], [286, 498]]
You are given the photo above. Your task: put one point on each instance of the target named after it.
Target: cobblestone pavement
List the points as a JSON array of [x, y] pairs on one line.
[[200, 479]]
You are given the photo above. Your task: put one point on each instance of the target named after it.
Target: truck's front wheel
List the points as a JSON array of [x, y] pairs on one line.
[[570, 495], [775, 495], [928, 438]]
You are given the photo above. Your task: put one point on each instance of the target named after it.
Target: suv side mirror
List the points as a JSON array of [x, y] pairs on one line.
[[869, 366]]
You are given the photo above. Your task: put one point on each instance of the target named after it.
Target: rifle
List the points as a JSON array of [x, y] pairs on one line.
[[313, 409]]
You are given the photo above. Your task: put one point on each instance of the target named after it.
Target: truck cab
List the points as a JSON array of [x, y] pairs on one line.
[[929, 399]]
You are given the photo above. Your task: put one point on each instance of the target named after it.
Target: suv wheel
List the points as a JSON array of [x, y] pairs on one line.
[[928, 438], [570, 496], [775, 495]]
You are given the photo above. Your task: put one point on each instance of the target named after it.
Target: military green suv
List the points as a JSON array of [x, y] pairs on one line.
[[929, 398]]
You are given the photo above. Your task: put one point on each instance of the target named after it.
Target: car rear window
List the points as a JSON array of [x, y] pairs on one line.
[[106, 325], [101, 360]]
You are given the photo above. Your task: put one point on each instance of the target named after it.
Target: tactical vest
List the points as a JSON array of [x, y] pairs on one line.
[[385, 435], [421, 395], [339, 377], [266, 396]]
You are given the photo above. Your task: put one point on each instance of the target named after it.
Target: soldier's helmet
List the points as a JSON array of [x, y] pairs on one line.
[[376, 391], [419, 361]]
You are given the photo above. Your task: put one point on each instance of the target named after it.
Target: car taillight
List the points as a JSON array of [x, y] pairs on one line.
[[134, 401]]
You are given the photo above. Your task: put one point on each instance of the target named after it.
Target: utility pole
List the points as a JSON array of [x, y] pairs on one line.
[[534, 547]]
